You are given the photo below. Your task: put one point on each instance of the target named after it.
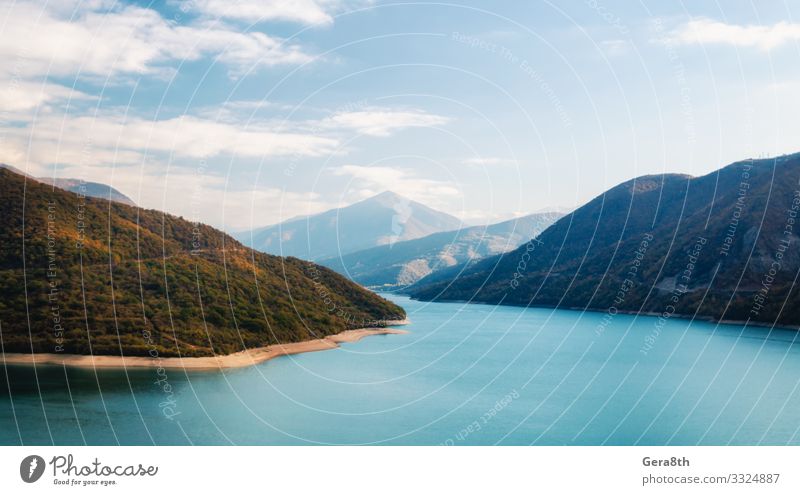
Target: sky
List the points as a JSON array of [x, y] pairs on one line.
[[244, 114]]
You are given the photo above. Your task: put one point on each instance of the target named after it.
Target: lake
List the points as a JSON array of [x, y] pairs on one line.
[[464, 375]]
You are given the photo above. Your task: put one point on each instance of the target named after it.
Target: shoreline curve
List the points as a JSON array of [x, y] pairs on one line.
[[239, 359]]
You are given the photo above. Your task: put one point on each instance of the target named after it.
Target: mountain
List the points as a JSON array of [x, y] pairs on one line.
[[91, 189], [84, 275], [383, 219], [722, 246], [404, 263]]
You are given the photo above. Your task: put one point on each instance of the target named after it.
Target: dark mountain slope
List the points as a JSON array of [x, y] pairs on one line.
[[108, 278], [380, 220], [672, 243], [404, 263]]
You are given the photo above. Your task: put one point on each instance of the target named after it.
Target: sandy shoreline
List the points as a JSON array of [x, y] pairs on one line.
[[236, 360]]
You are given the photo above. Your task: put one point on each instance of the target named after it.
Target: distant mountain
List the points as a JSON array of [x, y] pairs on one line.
[[404, 263], [91, 189], [380, 220], [82, 275], [723, 246]]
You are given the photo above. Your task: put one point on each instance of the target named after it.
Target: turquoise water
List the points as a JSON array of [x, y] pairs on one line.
[[464, 375]]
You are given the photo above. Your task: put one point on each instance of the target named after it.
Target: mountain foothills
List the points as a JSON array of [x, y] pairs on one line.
[[91, 189], [380, 220], [723, 246], [404, 263], [84, 275]]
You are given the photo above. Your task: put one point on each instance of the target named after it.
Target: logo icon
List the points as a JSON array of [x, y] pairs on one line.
[[31, 468]]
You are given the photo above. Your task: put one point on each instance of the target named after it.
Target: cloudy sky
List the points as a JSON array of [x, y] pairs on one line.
[[244, 113]]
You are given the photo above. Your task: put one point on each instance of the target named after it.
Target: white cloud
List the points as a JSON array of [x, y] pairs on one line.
[[19, 96], [210, 199], [252, 208], [132, 155], [708, 31], [383, 177], [381, 122], [109, 139], [368, 180], [92, 41], [301, 11], [198, 196], [89, 146], [358, 118], [42, 154]]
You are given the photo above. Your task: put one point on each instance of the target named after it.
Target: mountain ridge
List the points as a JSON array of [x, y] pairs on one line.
[[404, 263], [382, 219], [99, 277], [79, 186], [584, 260]]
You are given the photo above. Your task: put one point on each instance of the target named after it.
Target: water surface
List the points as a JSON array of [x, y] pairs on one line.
[[464, 375]]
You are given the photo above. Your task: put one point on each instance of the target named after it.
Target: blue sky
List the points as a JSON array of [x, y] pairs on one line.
[[241, 114]]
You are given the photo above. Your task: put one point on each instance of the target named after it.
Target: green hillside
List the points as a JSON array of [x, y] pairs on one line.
[[106, 278]]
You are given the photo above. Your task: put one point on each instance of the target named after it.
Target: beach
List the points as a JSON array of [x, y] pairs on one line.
[[240, 359]]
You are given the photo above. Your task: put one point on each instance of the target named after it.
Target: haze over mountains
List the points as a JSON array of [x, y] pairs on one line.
[[82, 275], [91, 189], [404, 263], [722, 246], [384, 219]]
